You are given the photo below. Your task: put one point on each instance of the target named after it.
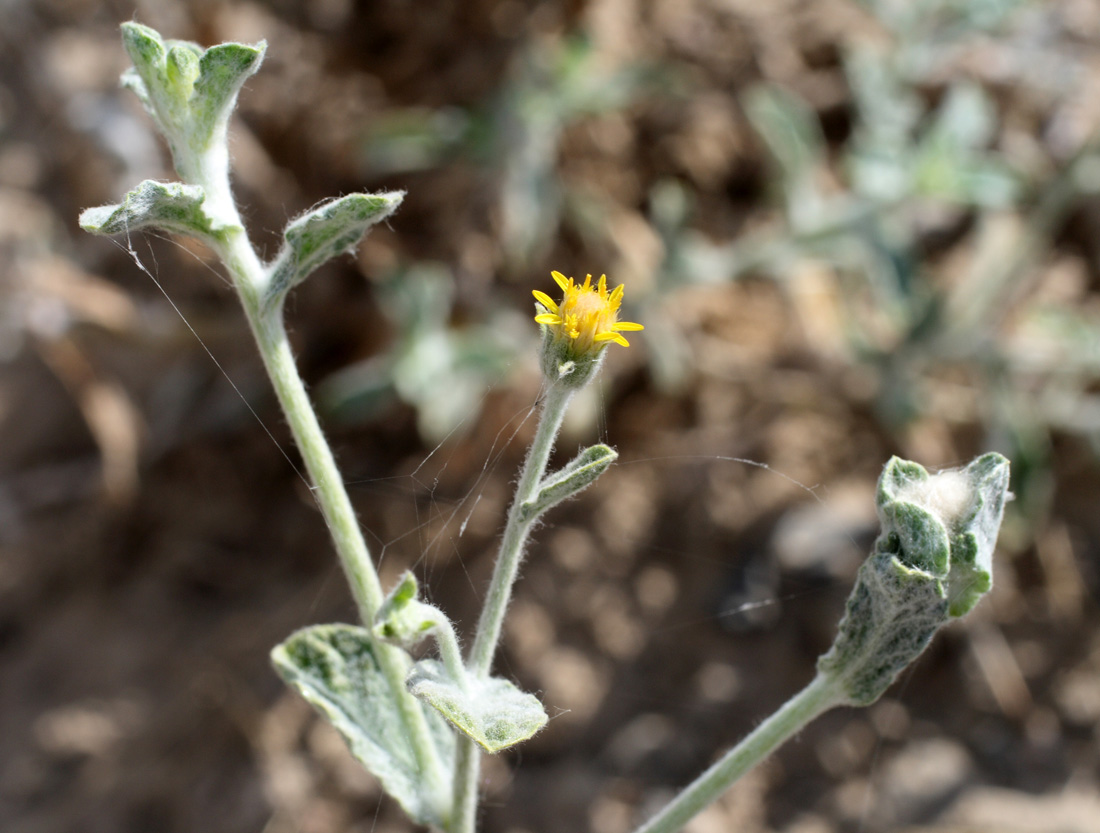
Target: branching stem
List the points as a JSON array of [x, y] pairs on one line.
[[250, 278]]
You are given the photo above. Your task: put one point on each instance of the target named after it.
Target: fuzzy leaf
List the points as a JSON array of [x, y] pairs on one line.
[[331, 229], [223, 69], [891, 616], [492, 712], [403, 619], [974, 537], [577, 475], [924, 543], [189, 91], [335, 668], [171, 206], [932, 563], [148, 77]]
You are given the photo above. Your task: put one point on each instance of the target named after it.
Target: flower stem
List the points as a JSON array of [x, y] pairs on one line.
[[516, 530], [816, 698]]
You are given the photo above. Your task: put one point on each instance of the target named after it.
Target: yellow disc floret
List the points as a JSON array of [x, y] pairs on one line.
[[587, 316]]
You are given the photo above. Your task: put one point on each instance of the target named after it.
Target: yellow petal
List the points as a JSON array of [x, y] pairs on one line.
[[547, 318], [616, 297], [562, 281], [609, 336], [545, 300], [628, 326]]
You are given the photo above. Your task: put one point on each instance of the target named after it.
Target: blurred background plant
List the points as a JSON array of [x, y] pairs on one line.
[[514, 137], [441, 368]]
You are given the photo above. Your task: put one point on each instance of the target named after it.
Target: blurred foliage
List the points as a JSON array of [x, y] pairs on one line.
[[514, 138], [877, 217], [440, 368], [921, 166]]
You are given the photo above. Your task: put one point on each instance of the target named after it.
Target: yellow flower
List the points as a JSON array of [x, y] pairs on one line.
[[587, 316]]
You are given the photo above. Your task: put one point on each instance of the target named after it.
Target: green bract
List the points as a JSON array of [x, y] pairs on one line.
[[932, 563]]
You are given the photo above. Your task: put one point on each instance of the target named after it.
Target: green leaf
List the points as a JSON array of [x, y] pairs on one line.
[[975, 536], [897, 476], [891, 616], [336, 669], [148, 77], [966, 118], [922, 538], [331, 229], [403, 619], [577, 475], [223, 69], [492, 712], [788, 126], [190, 92], [171, 206]]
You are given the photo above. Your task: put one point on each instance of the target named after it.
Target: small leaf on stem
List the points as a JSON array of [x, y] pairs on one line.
[[331, 229], [336, 669], [576, 476], [491, 711], [403, 619], [171, 206]]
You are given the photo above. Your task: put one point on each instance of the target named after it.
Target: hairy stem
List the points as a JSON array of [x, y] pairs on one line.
[[516, 530], [250, 277], [816, 698], [449, 651], [512, 545]]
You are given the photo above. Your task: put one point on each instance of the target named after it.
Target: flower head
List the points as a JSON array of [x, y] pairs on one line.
[[587, 316], [576, 331]]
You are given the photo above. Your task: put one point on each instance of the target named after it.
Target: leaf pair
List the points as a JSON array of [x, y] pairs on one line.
[[331, 229], [336, 669], [491, 711], [189, 91]]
